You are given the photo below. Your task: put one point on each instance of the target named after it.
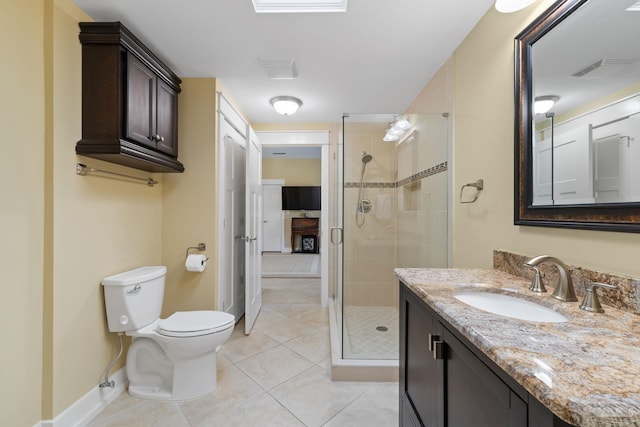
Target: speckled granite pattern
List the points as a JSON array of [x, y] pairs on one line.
[[626, 297], [586, 371]]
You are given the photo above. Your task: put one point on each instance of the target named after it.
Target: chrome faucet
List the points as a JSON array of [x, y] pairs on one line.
[[564, 288]]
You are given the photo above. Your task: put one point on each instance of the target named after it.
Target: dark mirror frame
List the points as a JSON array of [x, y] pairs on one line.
[[623, 217]]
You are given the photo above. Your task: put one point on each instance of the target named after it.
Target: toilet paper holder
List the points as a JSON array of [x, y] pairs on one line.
[[201, 247]]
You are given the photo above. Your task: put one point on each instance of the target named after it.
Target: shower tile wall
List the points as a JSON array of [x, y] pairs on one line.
[[369, 251], [421, 216], [412, 178]]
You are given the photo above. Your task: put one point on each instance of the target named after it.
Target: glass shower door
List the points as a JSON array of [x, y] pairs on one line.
[[394, 197]]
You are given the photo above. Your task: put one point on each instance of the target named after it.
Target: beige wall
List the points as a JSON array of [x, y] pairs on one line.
[[189, 206], [293, 171], [22, 119], [101, 226], [484, 149]]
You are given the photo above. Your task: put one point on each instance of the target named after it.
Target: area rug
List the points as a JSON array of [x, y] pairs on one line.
[[290, 265]]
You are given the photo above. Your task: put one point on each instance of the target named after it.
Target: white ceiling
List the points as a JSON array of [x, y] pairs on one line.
[[375, 58]]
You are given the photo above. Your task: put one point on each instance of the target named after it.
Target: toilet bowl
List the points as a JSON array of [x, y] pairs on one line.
[[172, 358]]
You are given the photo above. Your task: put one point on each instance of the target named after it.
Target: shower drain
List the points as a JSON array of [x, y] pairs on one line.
[[382, 329]]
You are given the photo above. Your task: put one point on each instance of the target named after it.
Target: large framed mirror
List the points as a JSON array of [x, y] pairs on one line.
[[577, 163]]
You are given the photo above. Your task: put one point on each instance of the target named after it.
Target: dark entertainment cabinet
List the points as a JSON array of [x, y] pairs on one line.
[[446, 381], [304, 235], [129, 101]]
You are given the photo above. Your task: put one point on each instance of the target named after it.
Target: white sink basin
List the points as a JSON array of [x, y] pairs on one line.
[[505, 305]]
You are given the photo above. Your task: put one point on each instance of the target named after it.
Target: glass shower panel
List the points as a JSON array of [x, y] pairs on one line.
[[394, 214]]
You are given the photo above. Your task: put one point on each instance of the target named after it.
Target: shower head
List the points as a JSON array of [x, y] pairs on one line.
[[366, 158]]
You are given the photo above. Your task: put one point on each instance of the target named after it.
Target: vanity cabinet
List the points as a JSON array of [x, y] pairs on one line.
[[129, 101], [446, 381]]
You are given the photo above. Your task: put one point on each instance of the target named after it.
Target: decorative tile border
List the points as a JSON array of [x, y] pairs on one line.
[[442, 167], [370, 185], [626, 297]]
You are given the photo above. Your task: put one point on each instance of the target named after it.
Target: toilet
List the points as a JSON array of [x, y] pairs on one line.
[[172, 358]]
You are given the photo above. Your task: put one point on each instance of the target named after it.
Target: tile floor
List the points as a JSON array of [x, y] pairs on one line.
[[277, 376]]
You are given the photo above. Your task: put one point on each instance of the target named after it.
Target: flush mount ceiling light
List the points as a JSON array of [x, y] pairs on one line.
[[285, 105], [508, 6], [543, 104], [299, 6]]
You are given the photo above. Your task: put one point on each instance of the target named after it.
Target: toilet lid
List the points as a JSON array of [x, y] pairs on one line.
[[193, 323]]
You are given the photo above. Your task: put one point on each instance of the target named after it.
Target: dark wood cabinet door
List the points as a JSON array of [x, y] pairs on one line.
[[129, 101], [141, 103], [423, 379], [167, 119], [475, 396]]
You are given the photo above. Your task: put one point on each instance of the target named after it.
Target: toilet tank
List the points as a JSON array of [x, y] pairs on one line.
[[133, 299]]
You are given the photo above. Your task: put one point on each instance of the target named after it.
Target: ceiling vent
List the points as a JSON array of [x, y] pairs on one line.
[[279, 68], [603, 68]]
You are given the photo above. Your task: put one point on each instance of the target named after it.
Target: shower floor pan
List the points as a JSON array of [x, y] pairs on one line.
[[372, 354]]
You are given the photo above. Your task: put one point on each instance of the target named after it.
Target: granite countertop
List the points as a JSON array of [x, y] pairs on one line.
[[586, 370]]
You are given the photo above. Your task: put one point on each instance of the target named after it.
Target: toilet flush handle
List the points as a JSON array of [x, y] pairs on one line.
[[135, 290]]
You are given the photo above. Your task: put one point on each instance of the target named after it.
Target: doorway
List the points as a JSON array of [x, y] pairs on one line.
[[273, 218], [239, 192], [274, 142]]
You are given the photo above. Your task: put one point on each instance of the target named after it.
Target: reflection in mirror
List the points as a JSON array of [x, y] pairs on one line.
[[586, 148]]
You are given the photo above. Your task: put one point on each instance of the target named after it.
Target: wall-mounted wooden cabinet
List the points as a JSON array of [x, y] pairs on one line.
[[129, 101]]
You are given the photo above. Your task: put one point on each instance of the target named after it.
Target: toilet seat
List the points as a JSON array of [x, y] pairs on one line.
[[195, 323]]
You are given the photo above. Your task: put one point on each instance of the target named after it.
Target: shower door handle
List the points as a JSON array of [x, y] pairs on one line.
[[333, 234]]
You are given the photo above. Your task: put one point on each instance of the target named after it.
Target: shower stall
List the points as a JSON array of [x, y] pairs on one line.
[[393, 212]]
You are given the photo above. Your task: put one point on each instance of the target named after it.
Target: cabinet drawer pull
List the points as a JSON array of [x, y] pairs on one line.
[[432, 339], [438, 350]]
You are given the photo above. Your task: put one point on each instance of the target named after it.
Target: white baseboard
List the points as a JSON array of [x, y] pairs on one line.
[[86, 408]]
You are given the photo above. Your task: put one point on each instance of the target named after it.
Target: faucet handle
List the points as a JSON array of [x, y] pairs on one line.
[[591, 302], [536, 283]]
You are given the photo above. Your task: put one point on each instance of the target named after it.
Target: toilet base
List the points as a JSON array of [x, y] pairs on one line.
[[153, 376]]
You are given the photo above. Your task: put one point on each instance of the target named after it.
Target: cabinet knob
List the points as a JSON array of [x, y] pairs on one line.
[[157, 138]]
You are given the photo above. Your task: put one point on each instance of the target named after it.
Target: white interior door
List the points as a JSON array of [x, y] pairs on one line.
[[607, 183], [232, 278], [272, 226], [253, 244]]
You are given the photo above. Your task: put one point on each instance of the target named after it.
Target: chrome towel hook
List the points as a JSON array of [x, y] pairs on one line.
[[478, 185]]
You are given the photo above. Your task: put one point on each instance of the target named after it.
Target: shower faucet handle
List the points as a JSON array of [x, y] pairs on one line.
[[365, 206]]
